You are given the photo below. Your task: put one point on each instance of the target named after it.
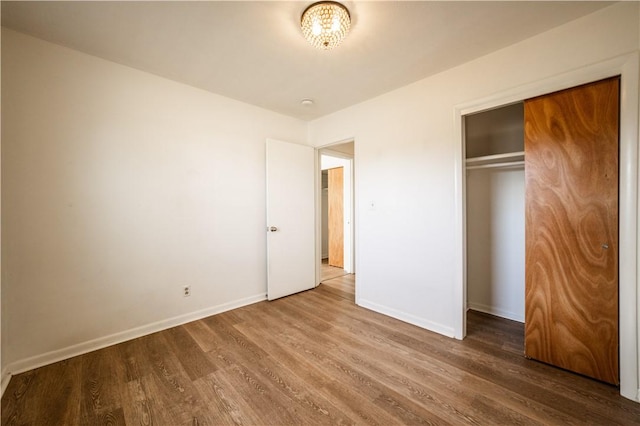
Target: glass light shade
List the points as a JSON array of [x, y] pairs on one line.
[[325, 24]]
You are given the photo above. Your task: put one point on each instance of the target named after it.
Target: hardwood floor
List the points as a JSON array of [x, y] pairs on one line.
[[312, 358], [343, 286], [328, 272]]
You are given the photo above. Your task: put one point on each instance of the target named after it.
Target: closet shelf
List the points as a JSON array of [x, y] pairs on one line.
[[497, 165], [498, 160]]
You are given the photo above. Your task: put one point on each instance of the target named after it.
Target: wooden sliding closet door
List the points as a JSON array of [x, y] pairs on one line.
[[571, 236], [336, 217]]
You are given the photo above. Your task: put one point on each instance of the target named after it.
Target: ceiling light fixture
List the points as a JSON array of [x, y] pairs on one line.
[[325, 24]]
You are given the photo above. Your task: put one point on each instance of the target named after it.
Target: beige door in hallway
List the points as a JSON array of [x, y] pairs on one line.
[[336, 217]]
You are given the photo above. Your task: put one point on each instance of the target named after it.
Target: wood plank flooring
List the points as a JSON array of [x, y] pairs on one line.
[[312, 358], [328, 272], [343, 286]]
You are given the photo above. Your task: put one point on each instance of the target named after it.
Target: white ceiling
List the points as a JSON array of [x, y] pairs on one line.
[[254, 51]]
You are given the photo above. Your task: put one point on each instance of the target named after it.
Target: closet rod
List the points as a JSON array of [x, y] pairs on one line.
[[497, 165]]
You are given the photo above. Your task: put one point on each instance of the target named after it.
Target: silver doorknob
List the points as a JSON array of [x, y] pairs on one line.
[[605, 246], [273, 228]]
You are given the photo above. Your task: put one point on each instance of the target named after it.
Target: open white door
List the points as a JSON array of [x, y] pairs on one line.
[[290, 218]]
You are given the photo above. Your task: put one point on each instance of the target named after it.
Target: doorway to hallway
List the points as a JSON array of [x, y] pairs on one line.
[[337, 212]]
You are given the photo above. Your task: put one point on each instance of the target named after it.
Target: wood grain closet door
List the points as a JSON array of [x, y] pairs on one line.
[[571, 236], [336, 217]]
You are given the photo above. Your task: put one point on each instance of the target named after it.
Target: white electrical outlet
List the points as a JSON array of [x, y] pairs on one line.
[[186, 291]]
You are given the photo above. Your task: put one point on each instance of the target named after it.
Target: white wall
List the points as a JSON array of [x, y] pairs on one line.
[[406, 163], [118, 188], [346, 149], [495, 241]]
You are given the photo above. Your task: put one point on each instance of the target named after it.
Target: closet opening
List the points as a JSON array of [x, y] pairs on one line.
[[495, 203]]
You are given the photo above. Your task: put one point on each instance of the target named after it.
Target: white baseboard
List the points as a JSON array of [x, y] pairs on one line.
[[30, 363], [492, 310], [411, 319], [4, 381]]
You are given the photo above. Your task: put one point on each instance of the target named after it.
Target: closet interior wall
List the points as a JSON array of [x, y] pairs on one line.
[[495, 188]]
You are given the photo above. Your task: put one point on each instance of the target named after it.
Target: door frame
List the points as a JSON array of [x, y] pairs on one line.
[[627, 67], [352, 228]]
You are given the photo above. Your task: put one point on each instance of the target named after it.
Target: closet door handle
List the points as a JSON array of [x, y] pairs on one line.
[[605, 246]]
